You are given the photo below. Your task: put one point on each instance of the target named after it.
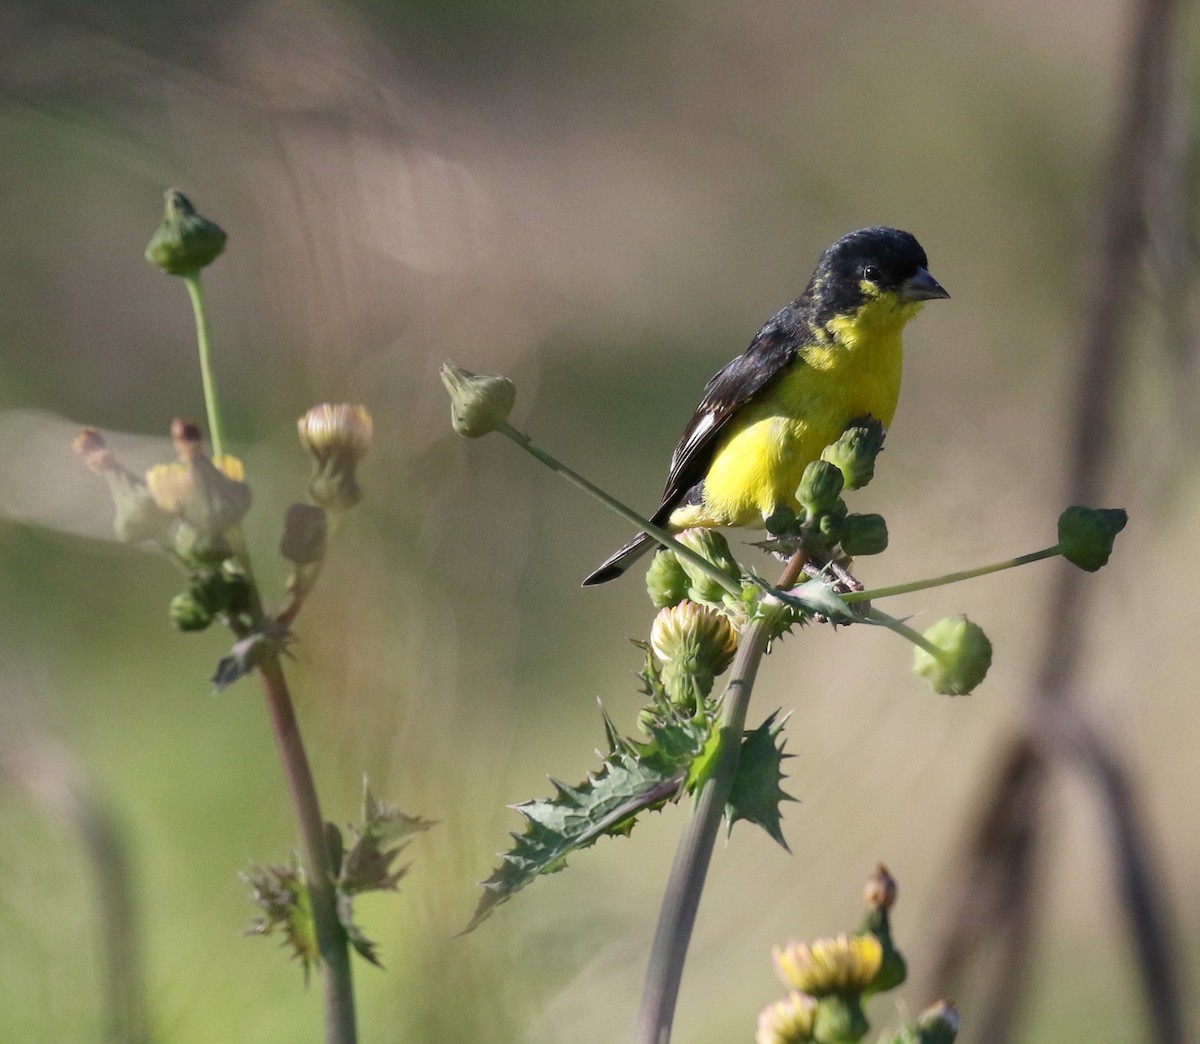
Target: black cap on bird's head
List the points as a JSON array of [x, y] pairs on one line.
[[870, 261]]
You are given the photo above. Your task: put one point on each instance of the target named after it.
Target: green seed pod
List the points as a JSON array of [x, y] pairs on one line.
[[864, 535], [666, 580], [713, 548], [478, 403], [1086, 535], [855, 452], [820, 487], [963, 658], [187, 614], [185, 242]]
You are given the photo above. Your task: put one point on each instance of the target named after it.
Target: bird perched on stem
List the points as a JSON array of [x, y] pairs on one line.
[[832, 356]]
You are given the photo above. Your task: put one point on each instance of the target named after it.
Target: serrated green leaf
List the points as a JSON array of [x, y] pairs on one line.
[[281, 892], [633, 778], [702, 765], [757, 794]]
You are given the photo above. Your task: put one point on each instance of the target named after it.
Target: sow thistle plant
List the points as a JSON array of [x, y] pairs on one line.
[[193, 508], [715, 615]]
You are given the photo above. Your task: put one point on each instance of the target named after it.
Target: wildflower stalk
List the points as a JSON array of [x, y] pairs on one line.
[[211, 403], [686, 883], [331, 939], [659, 534], [952, 578]]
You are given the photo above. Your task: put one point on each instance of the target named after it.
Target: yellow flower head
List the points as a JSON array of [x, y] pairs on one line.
[[846, 964], [786, 1021], [337, 436]]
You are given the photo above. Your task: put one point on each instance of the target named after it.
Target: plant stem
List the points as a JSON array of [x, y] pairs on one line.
[[215, 430], [677, 917], [902, 629], [331, 939], [952, 578], [659, 534]]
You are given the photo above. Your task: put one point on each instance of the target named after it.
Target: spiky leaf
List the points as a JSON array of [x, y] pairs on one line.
[[634, 777], [757, 794]]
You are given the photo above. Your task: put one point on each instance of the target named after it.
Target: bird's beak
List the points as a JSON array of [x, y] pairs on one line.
[[922, 287]]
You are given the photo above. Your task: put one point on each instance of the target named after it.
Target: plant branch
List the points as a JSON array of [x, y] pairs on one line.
[[216, 433], [684, 887], [331, 939], [659, 534], [951, 578]]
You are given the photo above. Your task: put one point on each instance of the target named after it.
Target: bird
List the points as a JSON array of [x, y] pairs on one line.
[[831, 357]]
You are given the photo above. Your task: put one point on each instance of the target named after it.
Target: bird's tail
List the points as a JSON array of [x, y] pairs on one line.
[[619, 561]]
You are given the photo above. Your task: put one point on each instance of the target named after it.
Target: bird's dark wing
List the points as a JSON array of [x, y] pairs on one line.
[[734, 385]]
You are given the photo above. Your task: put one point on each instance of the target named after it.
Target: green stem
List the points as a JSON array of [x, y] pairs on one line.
[[677, 917], [902, 629], [331, 938], [211, 404], [659, 534], [952, 578]]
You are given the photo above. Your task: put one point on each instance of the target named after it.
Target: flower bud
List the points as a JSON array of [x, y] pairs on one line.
[[185, 242], [304, 533], [855, 452], [963, 658], [200, 549], [337, 436], [846, 964], [880, 892], [864, 535], [782, 520], [713, 548], [138, 516], [478, 403], [1086, 535], [666, 581], [786, 1021], [938, 1024], [695, 644], [187, 614], [820, 487]]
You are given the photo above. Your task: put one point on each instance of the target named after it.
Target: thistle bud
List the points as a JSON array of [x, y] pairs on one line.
[[185, 242], [138, 516], [695, 644], [938, 1024], [846, 964], [880, 896], [666, 581], [962, 660], [864, 535], [337, 436], [187, 614], [304, 533], [208, 498], [478, 403], [855, 452], [782, 520], [713, 548], [786, 1021], [1086, 535], [820, 487]]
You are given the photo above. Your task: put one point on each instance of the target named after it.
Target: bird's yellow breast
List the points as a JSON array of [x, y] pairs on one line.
[[853, 370]]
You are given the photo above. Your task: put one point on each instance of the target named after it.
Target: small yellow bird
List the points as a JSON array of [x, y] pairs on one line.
[[832, 356]]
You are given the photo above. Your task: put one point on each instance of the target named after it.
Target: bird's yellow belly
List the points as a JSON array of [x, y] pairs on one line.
[[760, 461]]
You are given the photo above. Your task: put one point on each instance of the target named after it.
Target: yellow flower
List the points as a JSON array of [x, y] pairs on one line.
[[786, 1021], [846, 964]]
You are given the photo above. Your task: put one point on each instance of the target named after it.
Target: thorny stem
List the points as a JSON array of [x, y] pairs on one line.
[[331, 939], [682, 899], [215, 429], [659, 534]]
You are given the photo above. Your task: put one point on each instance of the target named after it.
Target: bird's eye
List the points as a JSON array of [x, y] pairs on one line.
[[870, 273]]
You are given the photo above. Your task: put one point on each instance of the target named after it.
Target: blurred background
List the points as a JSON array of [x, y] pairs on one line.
[[603, 201]]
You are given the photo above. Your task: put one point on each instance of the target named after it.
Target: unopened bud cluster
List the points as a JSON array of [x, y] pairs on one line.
[[829, 979]]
